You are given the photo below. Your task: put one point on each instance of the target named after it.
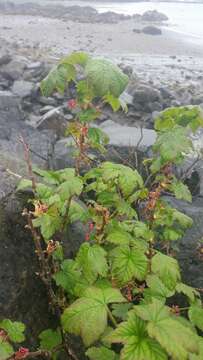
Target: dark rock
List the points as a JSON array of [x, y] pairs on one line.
[[63, 155], [190, 262], [151, 30], [54, 120], [22, 297], [13, 70], [127, 69], [10, 109], [137, 31], [197, 99], [165, 93], [154, 16], [22, 88], [155, 106], [143, 94], [5, 59]]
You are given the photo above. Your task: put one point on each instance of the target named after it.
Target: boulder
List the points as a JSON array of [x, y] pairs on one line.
[[144, 94], [14, 69], [124, 136], [154, 16], [197, 99], [151, 30], [188, 255], [10, 109], [54, 120], [22, 88], [5, 59]]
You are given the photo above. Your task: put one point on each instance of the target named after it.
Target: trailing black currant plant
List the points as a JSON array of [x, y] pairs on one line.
[[119, 292]]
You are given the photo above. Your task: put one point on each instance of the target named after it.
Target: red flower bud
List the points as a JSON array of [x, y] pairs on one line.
[[91, 226], [72, 104], [85, 130], [3, 335], [87, 237], [21, 353]]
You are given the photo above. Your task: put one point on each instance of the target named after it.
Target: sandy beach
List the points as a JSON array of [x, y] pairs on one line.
[[60, 37]]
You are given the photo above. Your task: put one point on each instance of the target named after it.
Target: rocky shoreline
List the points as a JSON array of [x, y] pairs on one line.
[[76, 13]]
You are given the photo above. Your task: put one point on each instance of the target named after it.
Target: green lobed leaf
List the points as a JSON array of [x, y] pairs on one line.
[[105, 77], [49, 223], [177, 339], [68, 276], [91, 259], [181, 191], [70, 188], [113, 101], [196, 315], [88, 115], [101, 353], [14, 329], [49, 339], [121, 310], [189, 291], [24, 184], [184, 116], [6, 350], [77, 212], [87, 316], [57, 79], [128, 263], [156, 289], [137, 343], [76, 58], [171, 146], [167, 269], [98, 139], [118, 236]]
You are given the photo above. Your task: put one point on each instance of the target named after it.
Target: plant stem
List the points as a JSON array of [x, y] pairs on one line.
[[111, 317]]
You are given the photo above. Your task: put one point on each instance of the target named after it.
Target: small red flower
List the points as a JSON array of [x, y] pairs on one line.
[[72, 104], [21, 353], [87, 237], [84, 130], [3, 335], [91, 226]]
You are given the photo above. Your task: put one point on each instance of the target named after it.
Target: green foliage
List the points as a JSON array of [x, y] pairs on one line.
[[121, 310], [167, 269], [101, 353], [115, 289], [171, 146], [14, 329], [166, 330], [181, 191], [49, 339], [6, 350], [196, 315], [87, 316], [105, 78], [68, 276], [188, 116], [127, 264], [91, 259], [137, 343]]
